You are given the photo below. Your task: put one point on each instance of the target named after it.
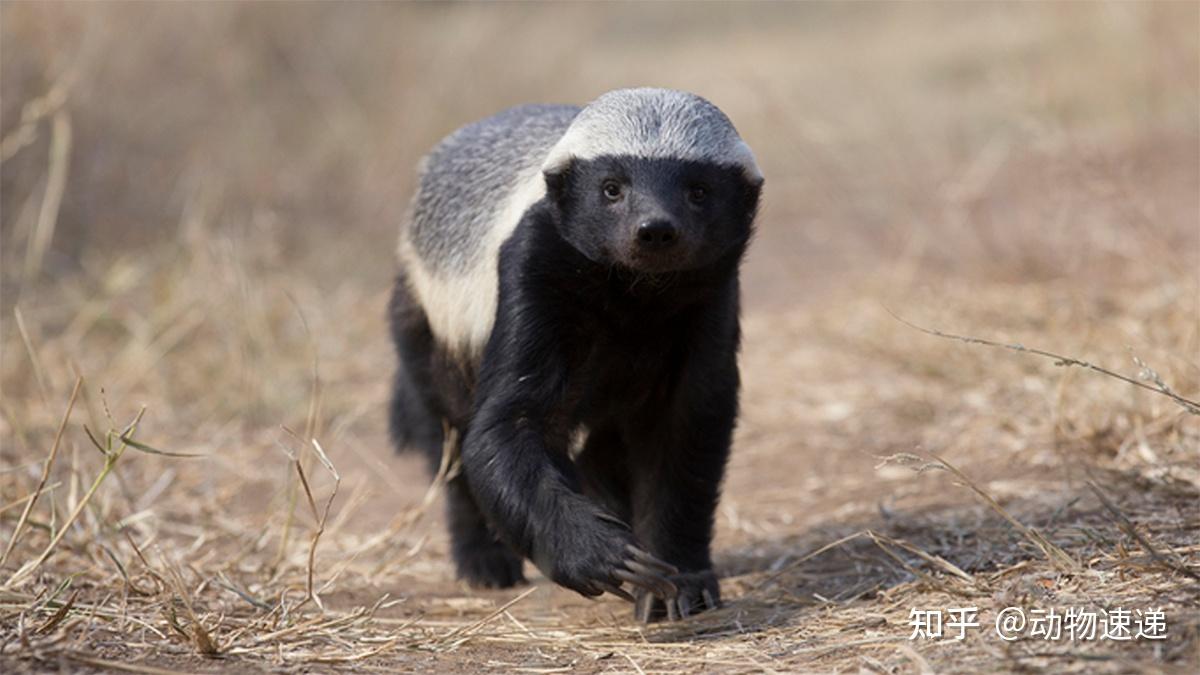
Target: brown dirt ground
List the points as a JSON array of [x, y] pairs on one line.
[[1022, 173]]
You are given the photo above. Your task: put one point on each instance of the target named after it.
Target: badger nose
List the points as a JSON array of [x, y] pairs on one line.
[[657, 234]]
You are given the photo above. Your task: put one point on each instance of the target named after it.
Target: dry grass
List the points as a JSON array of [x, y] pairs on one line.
[[194, 473]]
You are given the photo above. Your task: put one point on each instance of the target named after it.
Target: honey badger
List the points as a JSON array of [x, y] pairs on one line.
[[567, 305]]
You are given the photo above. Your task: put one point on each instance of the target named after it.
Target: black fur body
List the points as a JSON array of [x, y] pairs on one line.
[[616, 320]]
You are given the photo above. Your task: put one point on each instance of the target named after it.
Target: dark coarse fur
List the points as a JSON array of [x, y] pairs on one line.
[[636, 346], [432, 388]]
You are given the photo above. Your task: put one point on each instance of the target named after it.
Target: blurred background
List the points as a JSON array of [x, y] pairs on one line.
[[1027, 142], [1033, 141], [199, 204], [884, 129]]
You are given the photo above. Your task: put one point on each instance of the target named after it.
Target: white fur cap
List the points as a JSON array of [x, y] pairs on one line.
[[653, 123]]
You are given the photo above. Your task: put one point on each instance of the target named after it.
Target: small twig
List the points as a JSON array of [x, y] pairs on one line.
[[1162, 389], [45, 472]]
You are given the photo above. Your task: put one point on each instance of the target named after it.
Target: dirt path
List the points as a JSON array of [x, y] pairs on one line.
[[831, 389]]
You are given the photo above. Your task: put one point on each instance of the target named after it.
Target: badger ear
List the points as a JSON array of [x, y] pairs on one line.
[[556, 180]]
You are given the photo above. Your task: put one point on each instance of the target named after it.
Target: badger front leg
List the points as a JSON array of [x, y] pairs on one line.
[[679, 457], [675, 500], [516, 462], [531, 495]]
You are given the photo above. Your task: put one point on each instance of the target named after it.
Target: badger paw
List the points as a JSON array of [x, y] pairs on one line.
[[697, 592], [597, 554]]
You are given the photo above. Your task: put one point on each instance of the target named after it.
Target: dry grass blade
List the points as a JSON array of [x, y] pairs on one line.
[[59, 615], [111, 457], [921, 663], [38, 372], [292, 498], [1053, 553], [204, 643], [31, 114], [123, 666], [56, 183], [1162, 389], [321, 517], [925, 577], [21, 500], [45, 473], [934, 560], [224, 582], [467, 629], [163, 583], [361, 656], [151, 450], [311, 421], [448, 468], [809, 556], [1173, 562]]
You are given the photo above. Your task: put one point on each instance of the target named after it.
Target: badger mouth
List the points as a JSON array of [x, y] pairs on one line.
[[658, 264]]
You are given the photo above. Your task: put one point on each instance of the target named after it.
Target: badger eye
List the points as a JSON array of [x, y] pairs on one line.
[[697, 194], [611, 189]]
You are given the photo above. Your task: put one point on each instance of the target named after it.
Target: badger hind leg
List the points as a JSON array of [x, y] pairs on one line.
[[428, 392], [414, 413], [480, 558]]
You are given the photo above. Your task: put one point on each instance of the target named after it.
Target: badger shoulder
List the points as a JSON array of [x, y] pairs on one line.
[[473, 189]]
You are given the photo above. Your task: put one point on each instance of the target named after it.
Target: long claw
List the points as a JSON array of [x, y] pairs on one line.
[[648, 571], [616, 590], [633, 578], [659, 585], [641, 610], [672, 613], [685, 606], [709, 599], [629, 577], [612, 520], [650, 561], [655, 584]]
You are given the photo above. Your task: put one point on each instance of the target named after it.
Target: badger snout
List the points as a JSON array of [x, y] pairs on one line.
[[657, 234], [658, 244]]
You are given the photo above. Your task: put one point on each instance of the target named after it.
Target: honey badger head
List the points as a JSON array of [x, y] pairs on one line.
[[653, 180]]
